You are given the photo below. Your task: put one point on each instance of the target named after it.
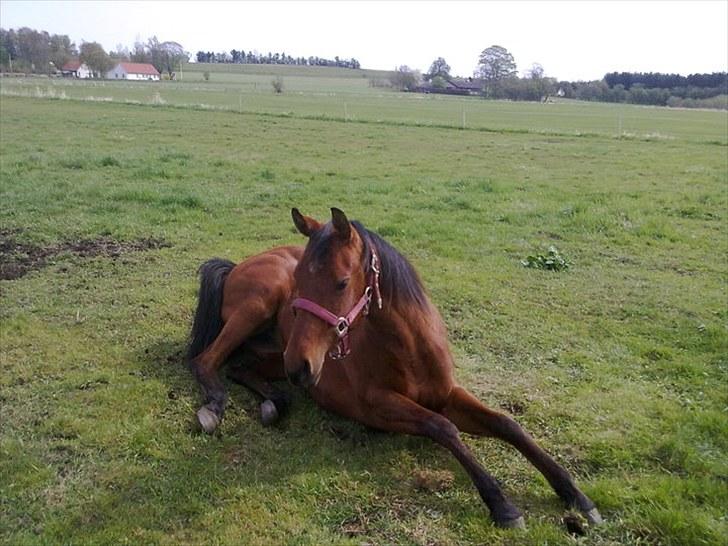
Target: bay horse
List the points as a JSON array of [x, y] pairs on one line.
[[348, 319]]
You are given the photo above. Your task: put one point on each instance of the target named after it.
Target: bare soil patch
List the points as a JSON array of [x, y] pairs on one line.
[[18, 258]]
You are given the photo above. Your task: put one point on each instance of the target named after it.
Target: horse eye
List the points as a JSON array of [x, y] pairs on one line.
[[342, 284]]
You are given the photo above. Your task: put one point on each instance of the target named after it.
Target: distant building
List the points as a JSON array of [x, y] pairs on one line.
[[76, 69], [453, 86], [133, 71]]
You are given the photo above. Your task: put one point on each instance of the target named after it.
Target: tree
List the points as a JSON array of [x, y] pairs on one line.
[[166, 56], [121, 54], [8, 47], [539, 86], [405, 79], [536, 72], [93, 54], [438, 82], [62, 50], [173, 54], [495, 65], [33, 48], [140, 54], [439, 67]]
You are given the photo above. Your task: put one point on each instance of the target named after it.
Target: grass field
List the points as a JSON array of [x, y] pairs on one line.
[[618, 365], [341, 94]]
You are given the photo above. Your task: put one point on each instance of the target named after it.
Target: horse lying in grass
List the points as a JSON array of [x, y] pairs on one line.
[[348, 319]]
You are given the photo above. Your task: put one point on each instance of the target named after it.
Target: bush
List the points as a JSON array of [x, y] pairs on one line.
[[206, 75], [277, 84]]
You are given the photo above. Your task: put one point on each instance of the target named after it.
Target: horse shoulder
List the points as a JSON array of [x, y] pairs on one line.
[[410, 356]]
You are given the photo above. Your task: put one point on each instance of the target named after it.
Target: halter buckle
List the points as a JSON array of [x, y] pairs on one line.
[[341, 327]]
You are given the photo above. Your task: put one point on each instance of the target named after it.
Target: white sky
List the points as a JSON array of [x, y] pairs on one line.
[[572, 40]]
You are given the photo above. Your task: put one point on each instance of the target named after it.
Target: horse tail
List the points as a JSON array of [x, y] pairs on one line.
[[208, 320]]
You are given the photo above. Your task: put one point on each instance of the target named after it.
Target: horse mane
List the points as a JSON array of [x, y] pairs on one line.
[[398, 282]]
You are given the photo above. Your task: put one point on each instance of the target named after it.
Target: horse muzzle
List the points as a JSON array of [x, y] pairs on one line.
[[304, 375]]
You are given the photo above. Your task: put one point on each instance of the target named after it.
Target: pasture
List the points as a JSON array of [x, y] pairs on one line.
[[346, 95], [617, 365]]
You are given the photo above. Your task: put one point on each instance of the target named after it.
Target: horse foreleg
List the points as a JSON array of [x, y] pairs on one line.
[[275, 401], [472, 416], [393, 412]]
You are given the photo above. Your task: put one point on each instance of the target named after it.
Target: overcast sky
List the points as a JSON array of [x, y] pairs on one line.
[[572, 40]]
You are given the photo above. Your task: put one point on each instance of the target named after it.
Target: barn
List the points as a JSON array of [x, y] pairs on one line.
[[76, 69], [133, 71]]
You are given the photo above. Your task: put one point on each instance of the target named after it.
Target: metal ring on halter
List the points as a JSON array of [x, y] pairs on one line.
[[375, 264], [342, 326]]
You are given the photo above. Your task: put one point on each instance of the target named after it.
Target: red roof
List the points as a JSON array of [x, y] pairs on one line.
[[72, 66], [139, 68]]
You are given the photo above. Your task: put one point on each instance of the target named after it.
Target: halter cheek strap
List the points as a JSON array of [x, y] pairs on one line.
[[342, 324]]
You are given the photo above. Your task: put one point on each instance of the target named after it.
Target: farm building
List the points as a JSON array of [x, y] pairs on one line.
[[133, 71], [453, 86], [76, 69]]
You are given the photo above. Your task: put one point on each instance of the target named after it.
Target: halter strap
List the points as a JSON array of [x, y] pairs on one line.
[[342, 324]]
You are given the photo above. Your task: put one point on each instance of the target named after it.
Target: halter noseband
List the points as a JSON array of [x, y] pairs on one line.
[[342, 324]]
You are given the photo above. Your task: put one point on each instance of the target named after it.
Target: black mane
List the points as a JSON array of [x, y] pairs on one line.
[[398, 282]]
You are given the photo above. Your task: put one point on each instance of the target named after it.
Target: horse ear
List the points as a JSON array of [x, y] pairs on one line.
[[305, 224], [341, 223]]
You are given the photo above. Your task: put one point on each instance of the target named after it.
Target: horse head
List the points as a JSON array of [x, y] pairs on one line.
[[335, 281]]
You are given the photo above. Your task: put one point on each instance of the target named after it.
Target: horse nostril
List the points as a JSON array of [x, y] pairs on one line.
[[302, 375]]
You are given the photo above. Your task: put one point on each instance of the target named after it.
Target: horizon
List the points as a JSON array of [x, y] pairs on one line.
[[691, 37]]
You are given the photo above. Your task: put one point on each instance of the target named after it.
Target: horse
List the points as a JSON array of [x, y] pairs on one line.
[[348, 319]]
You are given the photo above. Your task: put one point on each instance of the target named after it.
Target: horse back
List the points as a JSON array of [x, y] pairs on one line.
[[264, 280]]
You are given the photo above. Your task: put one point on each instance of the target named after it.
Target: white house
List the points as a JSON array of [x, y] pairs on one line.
[[133, 71], [76, 69]]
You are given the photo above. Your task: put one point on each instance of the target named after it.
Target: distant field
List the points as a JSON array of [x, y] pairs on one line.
[[197, 69], [617, 366], [343, 94]]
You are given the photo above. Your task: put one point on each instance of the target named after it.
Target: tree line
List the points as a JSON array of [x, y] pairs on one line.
[[652, 80], [496, 77], [253, 57], [33, 51]]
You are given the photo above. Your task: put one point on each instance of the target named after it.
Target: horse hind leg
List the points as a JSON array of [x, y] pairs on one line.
[[472, 416], [205, 366]]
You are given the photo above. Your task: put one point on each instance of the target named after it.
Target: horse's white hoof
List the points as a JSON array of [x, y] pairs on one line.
[[207, 419], [268, 413]]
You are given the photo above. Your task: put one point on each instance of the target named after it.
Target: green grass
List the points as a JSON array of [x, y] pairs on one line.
[[341, 94], [617, 365]]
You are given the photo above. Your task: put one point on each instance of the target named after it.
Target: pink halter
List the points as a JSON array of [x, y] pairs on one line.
[[342, 324]]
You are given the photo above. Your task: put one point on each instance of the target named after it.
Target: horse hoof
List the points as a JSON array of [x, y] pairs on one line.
[[517, 523], [268, 413], [207, 419], [594, 517]]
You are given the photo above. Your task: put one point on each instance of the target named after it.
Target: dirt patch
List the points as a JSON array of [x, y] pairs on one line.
[[513, 407], [432, 480], [18, 258]]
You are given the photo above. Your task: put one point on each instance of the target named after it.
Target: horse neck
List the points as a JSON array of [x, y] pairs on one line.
[[403, 322]]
